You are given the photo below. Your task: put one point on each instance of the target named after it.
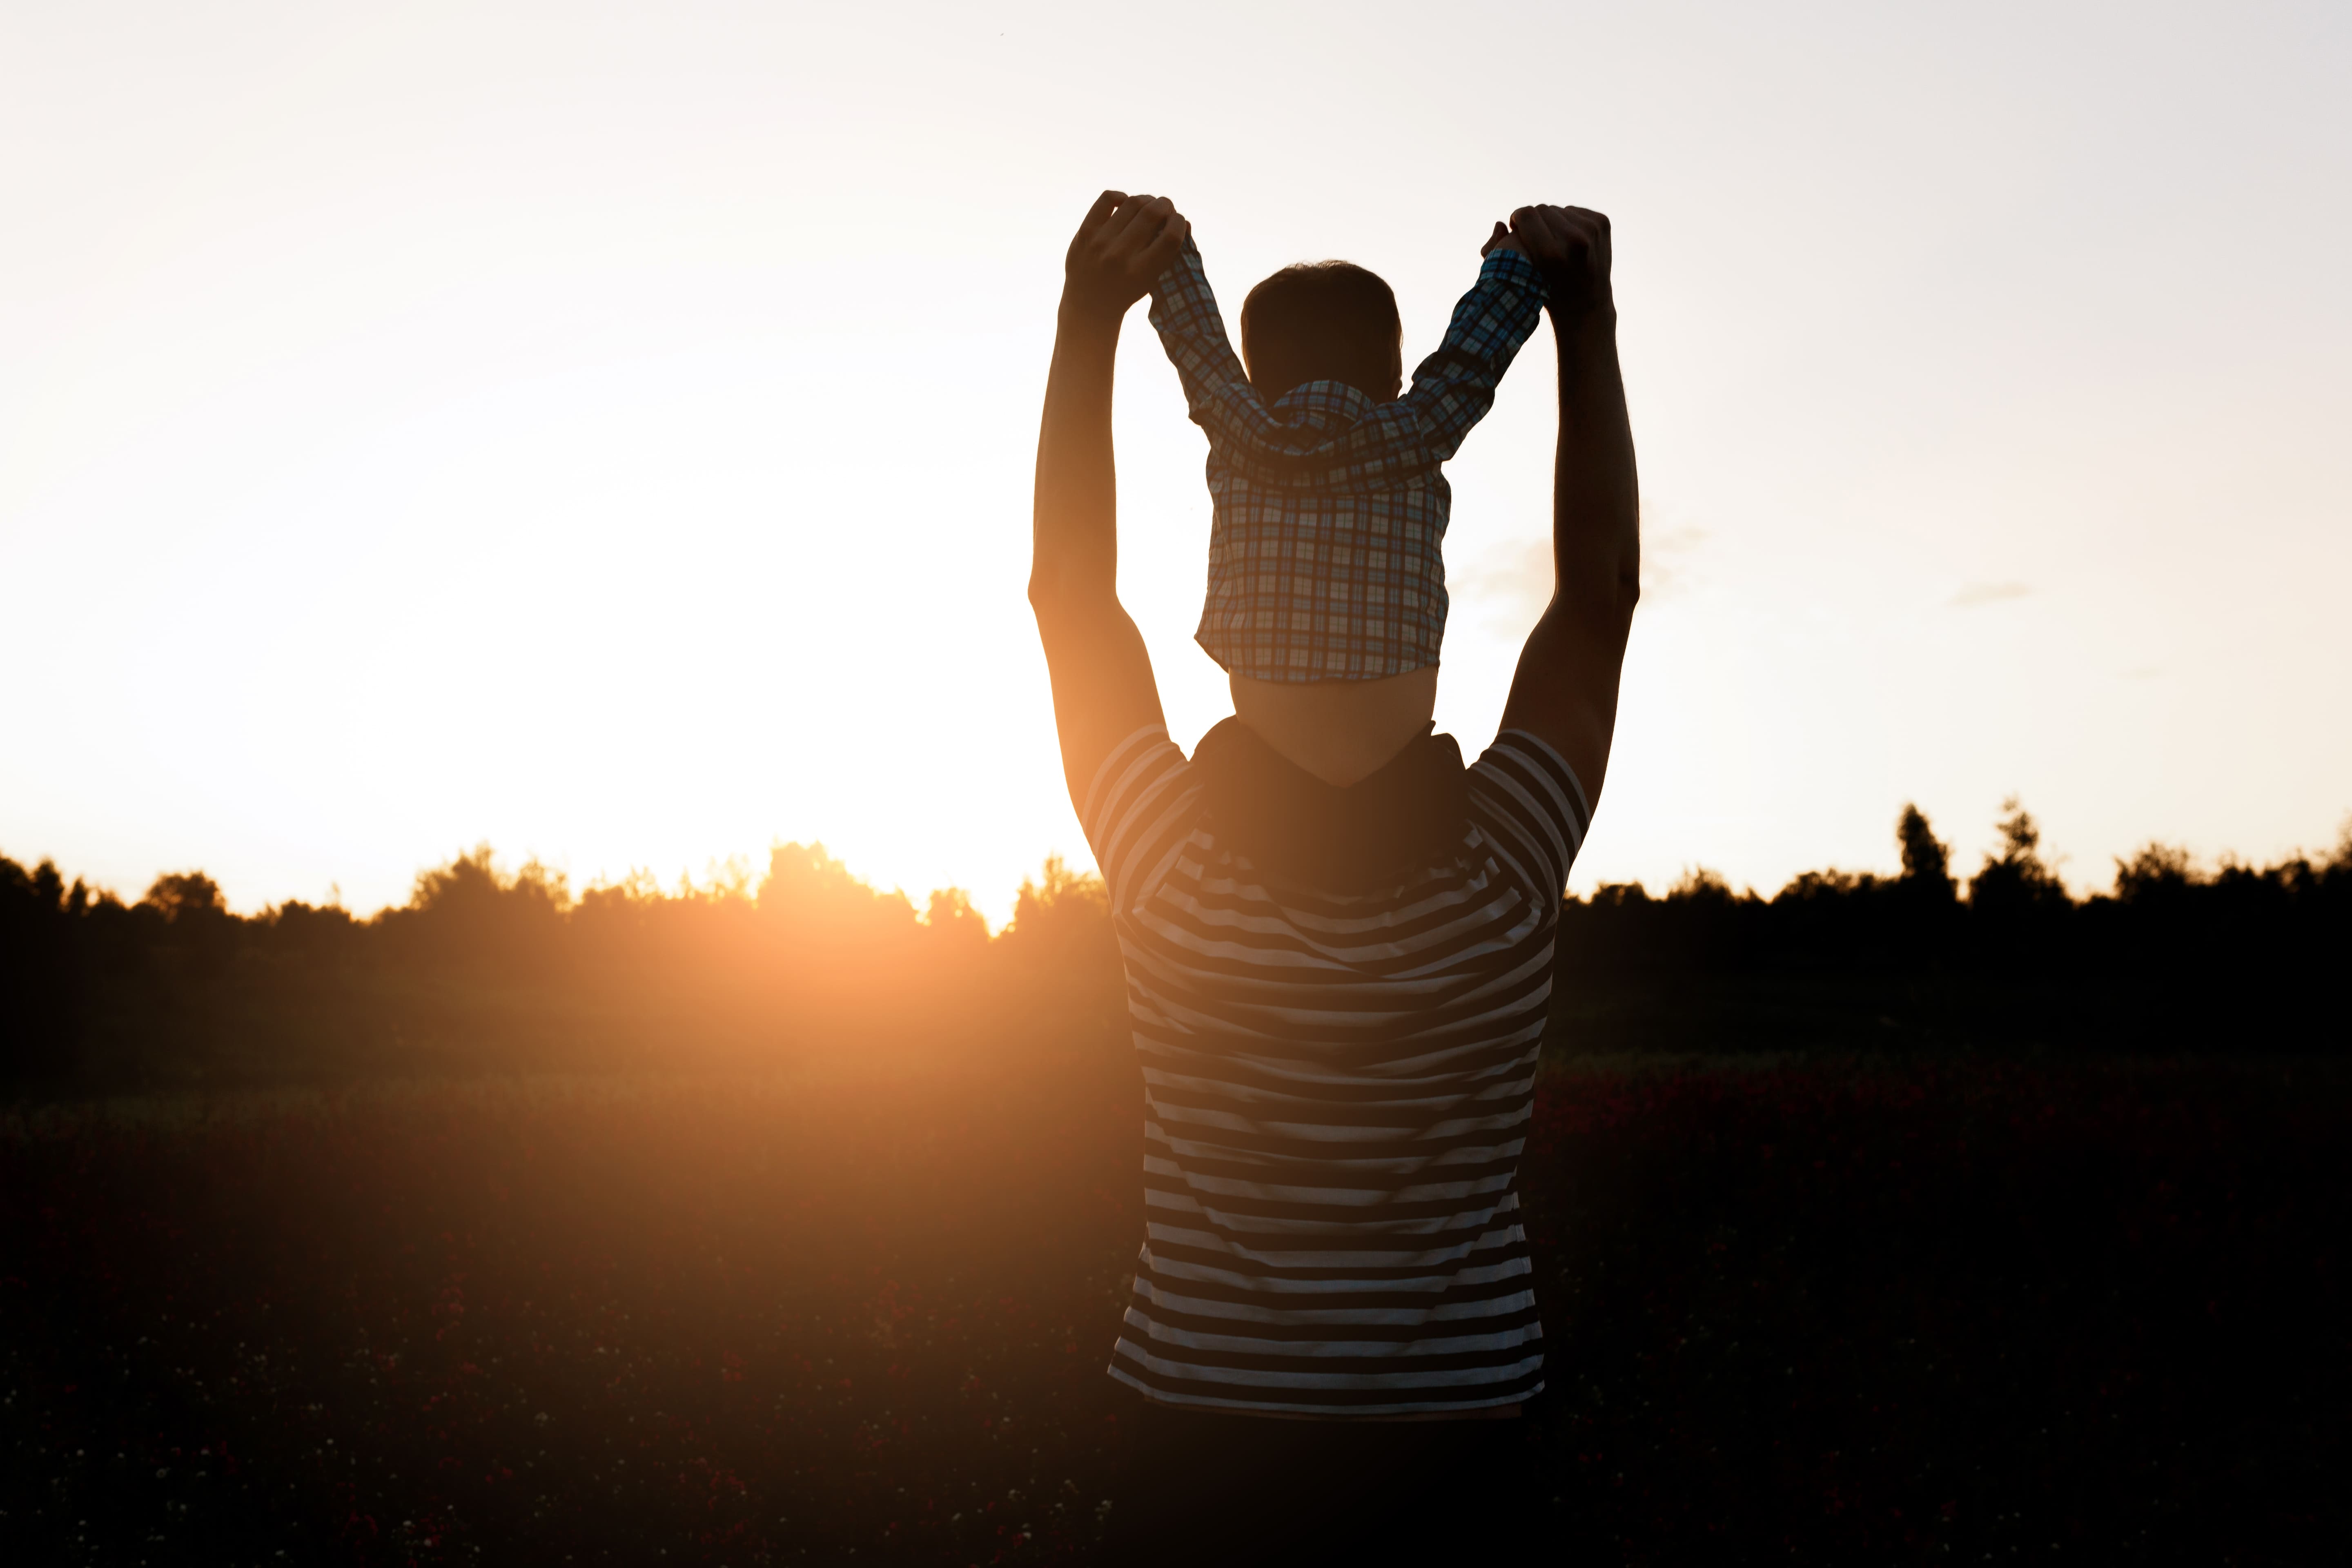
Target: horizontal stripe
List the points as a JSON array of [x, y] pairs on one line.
[[1205, 1271], [1417, 1346], [1350, 1403], [1297, 1374], [1169, 1303]]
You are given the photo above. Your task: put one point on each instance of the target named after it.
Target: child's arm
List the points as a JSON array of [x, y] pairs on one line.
[[1217, 390], [1453, 388]]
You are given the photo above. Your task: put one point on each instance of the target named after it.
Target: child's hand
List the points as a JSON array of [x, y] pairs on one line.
[[1502, 239], [1569, 247], [1124, 244]]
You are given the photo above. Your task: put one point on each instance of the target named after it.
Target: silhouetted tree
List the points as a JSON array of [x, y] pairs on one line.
[[1701, 885], [810, 892], [185, 893], [470, 916], [472, 884], [953, 923], [1061, 910], [1926, 860], [2017, 879], [1827, 887], [1061, 943], [2156, 871], [38, 1028]]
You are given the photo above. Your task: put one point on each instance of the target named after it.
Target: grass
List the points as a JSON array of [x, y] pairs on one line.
[[1905, 1310]]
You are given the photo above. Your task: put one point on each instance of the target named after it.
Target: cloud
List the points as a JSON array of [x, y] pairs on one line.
[[1665, 561], [1511, 582], [1976, 594]]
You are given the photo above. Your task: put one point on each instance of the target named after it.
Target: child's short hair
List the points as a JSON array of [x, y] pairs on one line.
[[1322, 320]]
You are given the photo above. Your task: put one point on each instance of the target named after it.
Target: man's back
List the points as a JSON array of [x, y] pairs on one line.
[[1337, 1090]]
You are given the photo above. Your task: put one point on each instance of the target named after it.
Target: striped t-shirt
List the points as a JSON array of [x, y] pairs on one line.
[[1337, 1090]]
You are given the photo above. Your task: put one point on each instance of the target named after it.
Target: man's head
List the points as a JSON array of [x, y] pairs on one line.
[[1323, 321]]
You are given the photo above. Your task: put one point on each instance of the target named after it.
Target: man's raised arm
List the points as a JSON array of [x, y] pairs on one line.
[[1103, 687], [1565, 691]]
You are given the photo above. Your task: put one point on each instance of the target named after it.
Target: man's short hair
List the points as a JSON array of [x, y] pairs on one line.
[[1322, 320]]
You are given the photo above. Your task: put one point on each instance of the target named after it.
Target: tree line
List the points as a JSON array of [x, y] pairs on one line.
[[806, 965], [2239, 958]]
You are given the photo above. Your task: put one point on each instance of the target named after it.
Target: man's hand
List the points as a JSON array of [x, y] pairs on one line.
[[1569, 247], [1125, 243]]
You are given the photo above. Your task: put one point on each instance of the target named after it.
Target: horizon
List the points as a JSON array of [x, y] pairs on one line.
[[611, 438], [739, 875]]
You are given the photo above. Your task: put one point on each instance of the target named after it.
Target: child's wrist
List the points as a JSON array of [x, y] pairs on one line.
[[1510, 258]]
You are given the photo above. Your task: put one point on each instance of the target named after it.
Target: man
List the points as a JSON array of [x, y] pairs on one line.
[[1338, 981]]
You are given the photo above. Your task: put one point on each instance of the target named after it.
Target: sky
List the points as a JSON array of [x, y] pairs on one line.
[[605, 430]]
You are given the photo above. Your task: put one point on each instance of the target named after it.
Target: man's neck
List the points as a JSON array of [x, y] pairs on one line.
[[1339, 730]]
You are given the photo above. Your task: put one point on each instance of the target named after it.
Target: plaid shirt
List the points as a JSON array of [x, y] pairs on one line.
[[1325, 558]]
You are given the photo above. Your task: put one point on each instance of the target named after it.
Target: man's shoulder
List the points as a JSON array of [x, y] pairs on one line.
[[1527, 790], [1133, 793]]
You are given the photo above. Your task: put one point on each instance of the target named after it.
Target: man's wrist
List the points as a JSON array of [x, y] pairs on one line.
[[1572, 301], [1081, 312], [1590, 324]]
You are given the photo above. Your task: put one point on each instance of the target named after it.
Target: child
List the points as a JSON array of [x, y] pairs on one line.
[[1324, 559]]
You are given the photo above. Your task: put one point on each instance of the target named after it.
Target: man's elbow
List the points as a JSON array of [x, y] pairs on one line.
[[1049, 582], [1047, 603], [1060, 598], [1600, 598]]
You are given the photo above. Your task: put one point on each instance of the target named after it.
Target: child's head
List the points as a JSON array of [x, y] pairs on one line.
[[1323, 321]]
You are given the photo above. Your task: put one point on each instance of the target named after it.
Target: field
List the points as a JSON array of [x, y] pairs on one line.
[[1915, 1309]]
